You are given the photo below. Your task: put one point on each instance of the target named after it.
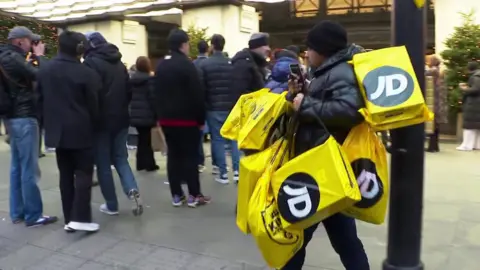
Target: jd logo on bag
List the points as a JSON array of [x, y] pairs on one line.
[[370, 184], [368, 158], [389, 86], [299, 197], [314, 186], [393, 86]]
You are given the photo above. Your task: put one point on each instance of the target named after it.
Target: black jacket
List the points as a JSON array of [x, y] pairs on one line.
[[332, 97], [19, 83], [69, 102], [142, 113], [215, 75], [178, 92], [471, 102], [116, 94], [248, 72]]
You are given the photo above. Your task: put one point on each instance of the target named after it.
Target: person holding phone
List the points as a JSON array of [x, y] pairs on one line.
[[284, 60], [471, 109], [332, 97]]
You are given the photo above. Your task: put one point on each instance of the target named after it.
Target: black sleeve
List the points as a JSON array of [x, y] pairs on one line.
[[23, 67], [197, 91], [474, 88], [242, 77], [338, 106], [92, 91], [152, 97]]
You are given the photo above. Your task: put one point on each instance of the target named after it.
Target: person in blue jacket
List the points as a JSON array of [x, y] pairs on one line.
[[278, 80]]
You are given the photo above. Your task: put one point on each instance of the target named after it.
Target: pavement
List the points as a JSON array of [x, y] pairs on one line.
[[206, 238]]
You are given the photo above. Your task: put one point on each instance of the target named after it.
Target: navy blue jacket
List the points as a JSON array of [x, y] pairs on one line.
[[278, 81]]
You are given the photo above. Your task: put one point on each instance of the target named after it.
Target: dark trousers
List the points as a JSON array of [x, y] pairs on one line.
[[145, 156], [76, 173], [182, 159], [433, 140], [342, 233]]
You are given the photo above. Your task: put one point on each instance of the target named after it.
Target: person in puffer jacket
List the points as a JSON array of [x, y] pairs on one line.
[[278, 81]]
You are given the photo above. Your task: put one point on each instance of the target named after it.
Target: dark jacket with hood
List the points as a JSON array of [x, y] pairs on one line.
[[142, 105], [248, 73], [20, 76], [215, 75], [278, 81], [334, 98], [471, 102], [115, 96], [179, 95]]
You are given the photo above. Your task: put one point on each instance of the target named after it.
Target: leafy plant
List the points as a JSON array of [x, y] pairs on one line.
[[196, 35], [462, 48]]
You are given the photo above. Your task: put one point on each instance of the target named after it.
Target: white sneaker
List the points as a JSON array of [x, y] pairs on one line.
[[236, 177], [68, 229], [104, 209], [463, 148], [83, 226], [216, 170], [222, 179]]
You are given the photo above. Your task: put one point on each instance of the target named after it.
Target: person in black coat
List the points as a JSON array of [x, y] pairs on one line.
[[142, 113], [334, 98], [471, 109], [69, 101], [111, 139], [180, 102], [249, 66]]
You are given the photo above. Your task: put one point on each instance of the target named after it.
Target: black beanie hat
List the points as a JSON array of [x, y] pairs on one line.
[[293, 49], [176, 38], [285, 53], [327, 38]]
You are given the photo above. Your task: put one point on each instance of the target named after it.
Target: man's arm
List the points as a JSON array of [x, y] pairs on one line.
[[242, 77], [197, 91], [26, 69], [92, 91], [338, 108], [475, 86]]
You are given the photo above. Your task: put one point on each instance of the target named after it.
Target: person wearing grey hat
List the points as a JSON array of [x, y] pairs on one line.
[[249, 66], [19, 103], [331, 100], [111, 138]]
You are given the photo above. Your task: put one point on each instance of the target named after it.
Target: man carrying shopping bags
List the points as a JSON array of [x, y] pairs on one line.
[[332, 97]]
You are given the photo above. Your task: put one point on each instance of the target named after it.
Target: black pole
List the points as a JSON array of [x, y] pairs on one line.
[[407, 160]]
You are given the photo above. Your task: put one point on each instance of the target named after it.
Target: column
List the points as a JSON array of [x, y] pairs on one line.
[[129, 36], [235, 23], [447, 16]]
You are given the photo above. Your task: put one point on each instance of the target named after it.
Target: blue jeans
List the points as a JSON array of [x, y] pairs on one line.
[[25, 198], [215, 120], [342, 232], [110, 150]]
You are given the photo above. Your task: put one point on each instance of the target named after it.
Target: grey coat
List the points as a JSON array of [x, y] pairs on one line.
[[471, 103]]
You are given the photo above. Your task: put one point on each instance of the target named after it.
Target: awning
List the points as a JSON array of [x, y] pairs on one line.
[[76, 10]]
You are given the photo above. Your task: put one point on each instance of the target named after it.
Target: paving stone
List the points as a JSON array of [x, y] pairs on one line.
[[164, 259], [8, 246], [24, 257], [124, 253], [58, 239], [58, 262], [209, 263], [90, 247], [99, 266]]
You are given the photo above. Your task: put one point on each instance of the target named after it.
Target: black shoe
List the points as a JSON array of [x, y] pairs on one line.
[[45, 220], [152, 169], [41, 155]]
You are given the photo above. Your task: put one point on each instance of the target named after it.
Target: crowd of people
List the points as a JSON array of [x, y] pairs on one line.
[[86, 100]]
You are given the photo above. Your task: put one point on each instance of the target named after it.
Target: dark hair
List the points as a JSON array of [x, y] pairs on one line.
[[218, 42], [68, 42], [472, 66], [176, 38], [294, 49], [143, 64], [202, 46]]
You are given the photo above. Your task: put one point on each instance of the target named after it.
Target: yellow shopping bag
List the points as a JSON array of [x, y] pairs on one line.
[[392, 95], [234, 121], [265, 110], [314, 186], [277, 244], [368, 158], [251, 169]]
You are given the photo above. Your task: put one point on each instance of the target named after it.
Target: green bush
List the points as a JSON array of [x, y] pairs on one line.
[[462, 47], [196, 35], [47, 31]]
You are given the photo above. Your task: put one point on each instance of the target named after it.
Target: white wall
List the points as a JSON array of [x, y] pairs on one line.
[[224, 20], [113, 32], [447, 17]]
